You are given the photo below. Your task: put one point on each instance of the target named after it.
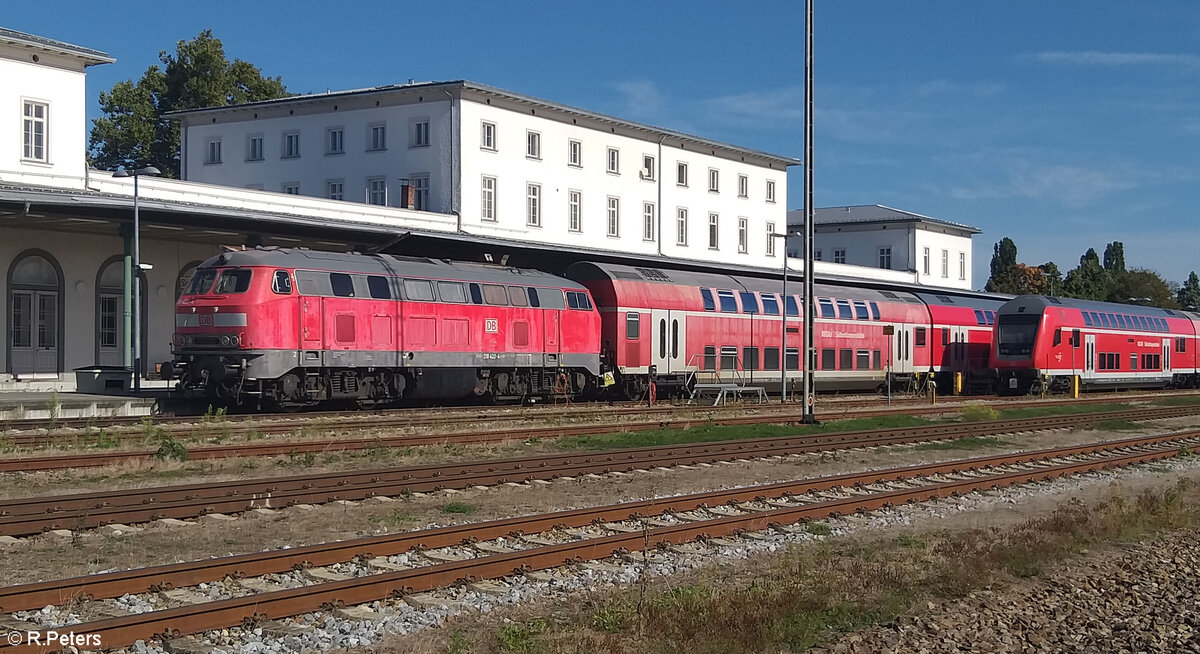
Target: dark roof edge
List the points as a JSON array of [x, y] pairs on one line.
[[90, 56]]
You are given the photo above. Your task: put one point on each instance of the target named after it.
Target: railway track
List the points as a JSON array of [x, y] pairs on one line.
[[545, 541], [203, 451], [27, 516]]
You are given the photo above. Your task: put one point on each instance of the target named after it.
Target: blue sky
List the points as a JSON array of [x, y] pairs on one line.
[[1063, 124]]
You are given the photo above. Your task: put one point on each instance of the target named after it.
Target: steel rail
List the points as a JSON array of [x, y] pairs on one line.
[[26, 516], [122, 631]]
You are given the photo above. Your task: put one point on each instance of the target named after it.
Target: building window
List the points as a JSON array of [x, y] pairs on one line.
[[212, 152], [335, 189], [35, 116], [254, 148], [335, 140], [743, 235], [771, 191], [771, 239], [420, 133], [291, 188], [962, 265], [533, 205], [713, 224], [420, 191], [885, 258], [614, 216], [681, 174], [743, 186], [574, 211], [487, 136], [533, 145], [839, 255], [945, 263], [817, 254], [648, 221], [614, 161], [377, 191], [714, 180], [681, 226], [377, 137], [487, 204], [926, 261], [291, 145], [647, 167], [575, 153]]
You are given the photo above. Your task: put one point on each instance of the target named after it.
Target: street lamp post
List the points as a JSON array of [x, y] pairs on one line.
[[783, 321], [809, 311], [135, 325]]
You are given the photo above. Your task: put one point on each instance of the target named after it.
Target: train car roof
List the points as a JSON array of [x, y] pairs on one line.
[[976, 301], [1039, 303], [388, 264]]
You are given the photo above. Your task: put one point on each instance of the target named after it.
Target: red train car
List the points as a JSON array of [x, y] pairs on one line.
[[961, 326], [711, 327], [292, 328], [1046, 342]]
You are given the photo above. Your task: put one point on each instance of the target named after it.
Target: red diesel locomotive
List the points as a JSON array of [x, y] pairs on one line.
[[1048, 342], [292, 328]]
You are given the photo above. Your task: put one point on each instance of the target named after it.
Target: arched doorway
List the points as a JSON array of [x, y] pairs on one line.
[[35, 296], [110, 312]]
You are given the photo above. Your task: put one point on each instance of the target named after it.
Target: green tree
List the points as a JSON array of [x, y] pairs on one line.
[[1004, 277], [1189, 293], [1053, 284], [134, 132], [1089, 280], [1143, 286], [1114, 258]]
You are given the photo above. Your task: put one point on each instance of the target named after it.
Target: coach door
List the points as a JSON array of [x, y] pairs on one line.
[[552, 336], [1089, 356], [660, 347], [1166, 357], [312, 327]]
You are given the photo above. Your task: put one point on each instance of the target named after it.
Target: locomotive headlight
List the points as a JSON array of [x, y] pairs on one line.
[[233, 341], [225, 341], [186, 341]]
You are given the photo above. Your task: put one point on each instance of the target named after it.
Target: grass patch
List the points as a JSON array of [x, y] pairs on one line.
[[811, 594], [1060, 410], [459, 507], [978, 413], [709, 433], [395, 518], [1187, 400], [1117, 425], [968, 443]]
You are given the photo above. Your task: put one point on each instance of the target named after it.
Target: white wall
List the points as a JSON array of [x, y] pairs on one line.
[[954, 245], [907, 241], [58, 82]]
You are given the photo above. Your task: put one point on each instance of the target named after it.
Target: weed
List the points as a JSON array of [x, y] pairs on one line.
[[169, 448], [105, 440], [610, 619], [395, 518], [151, 432], [458, 642], [407, 495], [307, 460], [459, 507], [53, 410], [818, 528], [978, 413], [1186, 451], [910, 541], [523, 638], [1116, 425]]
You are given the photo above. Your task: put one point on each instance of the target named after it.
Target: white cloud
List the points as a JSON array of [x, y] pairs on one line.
[[1096, 58], [642, 100]]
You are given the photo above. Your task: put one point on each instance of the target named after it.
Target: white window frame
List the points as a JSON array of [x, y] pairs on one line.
[[714, 231], [771, 191], [335, 189], [648, 221], [885, 258], [254, 147], [681, 174], [575, 153], [574, 211], [533, 205], [743, 235], [614, 217], [487, 201], [714, 180], [420, 185], [533, 145], [419, 133], [743, 186], [487, 136], [839, 255], [613, 161], [945, 264], [35, 131], [212, 152], [927, 259], [771, 239], [648, 166], [291, 145], [681, 226], [291, 188], [377, 188], [376, 137], [335, 140], [962, 266]]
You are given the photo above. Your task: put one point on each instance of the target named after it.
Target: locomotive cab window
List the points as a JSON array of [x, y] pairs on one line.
[[281, 283], [476, 294], [633, 322], [379, 287], [342, 285], [202, 281], [533, 297], [235, 280]]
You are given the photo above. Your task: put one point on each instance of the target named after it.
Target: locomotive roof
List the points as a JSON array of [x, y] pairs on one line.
[[1039, 303], [387, 264]]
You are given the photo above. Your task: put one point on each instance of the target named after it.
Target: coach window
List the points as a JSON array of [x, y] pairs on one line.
[[750, 358], [846, 359], [342, 285], [1121, 322], [749, 302], [728, 301], [991, 317], [844, 310], [378, 287], [1104, 320], [1181, 345], [792, 307], [233, 281], [1145, 323], [710, 357], [770, 304], [418, 290], [860, 310], [452, 292], [707, 297], [1087, 319], [791, 358], [729, 357], [495, 295], [920, 334], [662, 338], [1058, 336], [828, 359], [770, 358], [282, 283], [862, 359], [1133, 361], [876, 360], [632, 325], [874, 311], [517, 296], [827, 310]]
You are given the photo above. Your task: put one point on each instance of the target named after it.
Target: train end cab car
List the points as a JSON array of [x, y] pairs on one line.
[[1050, 343], [962, 340]]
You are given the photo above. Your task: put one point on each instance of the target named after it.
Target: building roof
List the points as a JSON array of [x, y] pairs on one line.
[[89, 56], [496, 92], [866, 214]]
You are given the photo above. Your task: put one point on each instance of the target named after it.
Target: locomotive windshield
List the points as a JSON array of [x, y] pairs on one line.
[[202, 280], [1015, 334], [233, 280]]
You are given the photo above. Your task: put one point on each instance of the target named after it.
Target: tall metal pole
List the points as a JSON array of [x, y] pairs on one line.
[[809, 231], [137, 291], [783, 328]]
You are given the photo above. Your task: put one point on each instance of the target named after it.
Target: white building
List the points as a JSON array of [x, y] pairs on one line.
[[506, 165], [937, 252]]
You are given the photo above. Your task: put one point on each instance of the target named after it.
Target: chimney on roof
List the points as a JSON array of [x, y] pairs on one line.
[[412, 80]]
